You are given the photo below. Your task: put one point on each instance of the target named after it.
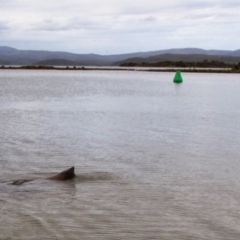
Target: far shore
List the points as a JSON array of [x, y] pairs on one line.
[[119, 68]]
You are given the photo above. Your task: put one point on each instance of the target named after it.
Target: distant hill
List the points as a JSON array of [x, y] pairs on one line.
[[12, 56], [55, 62]]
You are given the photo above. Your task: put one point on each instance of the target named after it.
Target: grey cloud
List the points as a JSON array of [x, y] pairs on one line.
[[230, 4], [4, 3], [148, 19], [49, 26], [199, 16], [213, 5], [66, 25], [4, 27]]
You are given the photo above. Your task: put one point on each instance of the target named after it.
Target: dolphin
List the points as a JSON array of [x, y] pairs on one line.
[[62, 176]]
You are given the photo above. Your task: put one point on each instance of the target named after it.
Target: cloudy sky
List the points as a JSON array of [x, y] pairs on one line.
[[119, 26]]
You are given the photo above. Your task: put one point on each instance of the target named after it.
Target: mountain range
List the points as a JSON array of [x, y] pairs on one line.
[[12, 56]]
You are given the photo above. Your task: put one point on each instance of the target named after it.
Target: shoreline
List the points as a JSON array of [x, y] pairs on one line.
[[139, 69]]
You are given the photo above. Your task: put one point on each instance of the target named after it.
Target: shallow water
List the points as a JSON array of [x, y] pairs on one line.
[[154, 160]]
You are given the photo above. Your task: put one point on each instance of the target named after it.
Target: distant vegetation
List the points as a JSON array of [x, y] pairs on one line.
[[181, 64], [42, 67], [159, 67], [236, 67], [194, 65]]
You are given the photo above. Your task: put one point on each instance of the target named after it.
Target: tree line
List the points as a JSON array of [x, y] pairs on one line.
[[182, 64]]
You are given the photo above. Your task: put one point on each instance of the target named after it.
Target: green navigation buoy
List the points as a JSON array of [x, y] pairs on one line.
[[178, 77]]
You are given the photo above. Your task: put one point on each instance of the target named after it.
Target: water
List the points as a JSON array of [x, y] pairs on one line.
[[154, 160]]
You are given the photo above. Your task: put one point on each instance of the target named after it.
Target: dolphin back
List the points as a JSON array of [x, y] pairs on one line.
[[65, 175]]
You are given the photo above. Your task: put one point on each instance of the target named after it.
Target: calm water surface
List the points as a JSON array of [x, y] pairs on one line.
[[154, 160]]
